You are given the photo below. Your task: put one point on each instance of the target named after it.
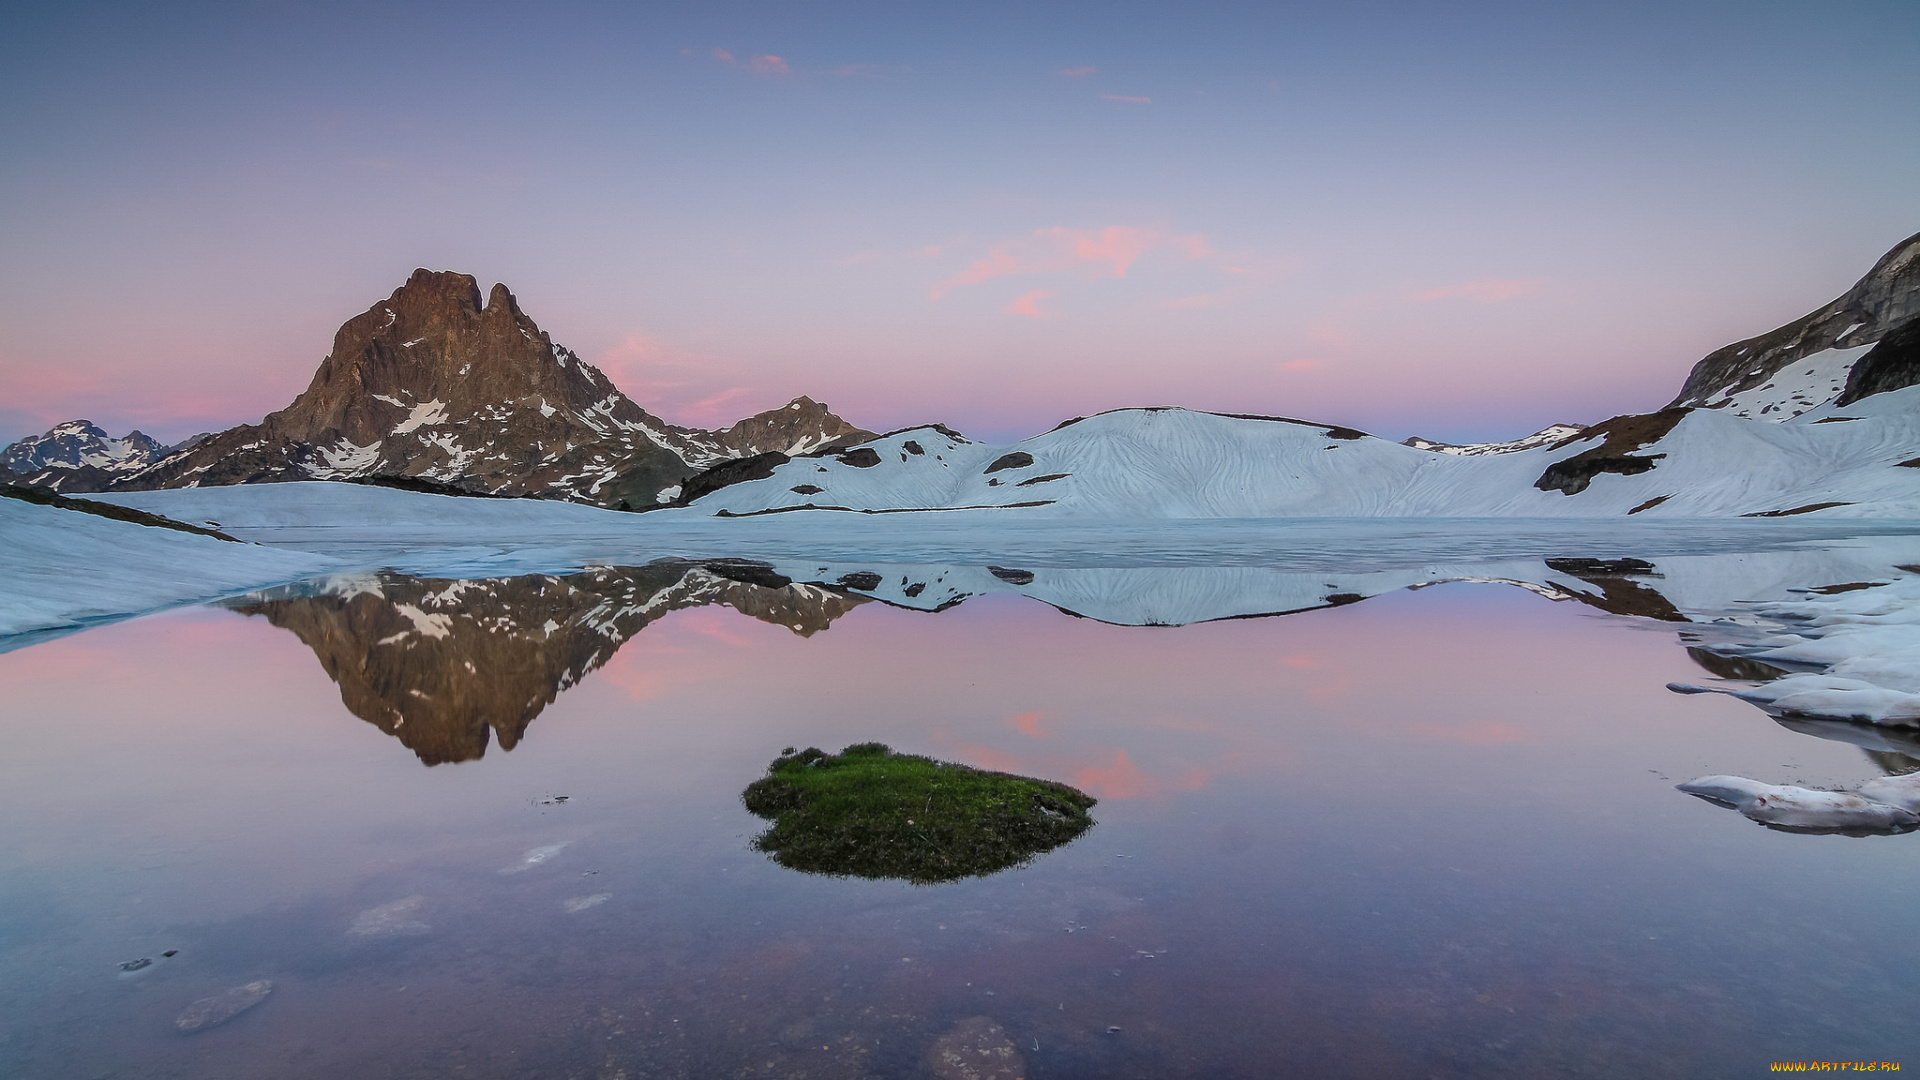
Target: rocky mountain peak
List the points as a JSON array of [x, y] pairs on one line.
[[79, 450], [801, 426], [1811, 360], [434, 385]]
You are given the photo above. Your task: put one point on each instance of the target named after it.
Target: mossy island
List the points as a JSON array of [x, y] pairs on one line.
[[869, 812]]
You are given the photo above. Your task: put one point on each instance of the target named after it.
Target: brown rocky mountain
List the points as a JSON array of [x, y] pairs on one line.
[[435, 385], [1821, 355], [442, 664]]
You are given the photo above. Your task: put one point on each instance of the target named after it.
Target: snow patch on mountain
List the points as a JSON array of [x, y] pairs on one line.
[[1800, 387], [428, 413]]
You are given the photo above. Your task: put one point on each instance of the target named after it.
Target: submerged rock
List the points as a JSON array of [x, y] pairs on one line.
[[397, 919], [869, 812], [976, 1049], [536, 856], [220, 1008]]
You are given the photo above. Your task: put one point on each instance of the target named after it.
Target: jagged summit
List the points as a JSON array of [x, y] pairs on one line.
[[435, 384], [1830, 353], [801, 426]]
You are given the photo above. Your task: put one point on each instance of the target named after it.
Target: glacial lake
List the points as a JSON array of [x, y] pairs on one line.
[[473, 827]]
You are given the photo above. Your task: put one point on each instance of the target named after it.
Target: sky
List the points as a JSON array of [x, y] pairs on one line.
[[1459, 220]]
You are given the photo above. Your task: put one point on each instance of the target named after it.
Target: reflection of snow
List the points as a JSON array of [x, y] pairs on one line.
[[1866, 643], [430, 624]]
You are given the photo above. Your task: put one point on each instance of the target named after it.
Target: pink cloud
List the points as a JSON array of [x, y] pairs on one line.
[[1028, 303], [1127, 98], [676, 383], [1028, 724], [765, 64], [1107, 252], [1479, 291], [1311, 364], [1079, 72], [1120, 779]]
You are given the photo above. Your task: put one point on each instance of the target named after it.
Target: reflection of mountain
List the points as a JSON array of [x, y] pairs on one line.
[[438, 663]]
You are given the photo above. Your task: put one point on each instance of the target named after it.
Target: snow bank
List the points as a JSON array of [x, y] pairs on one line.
[[65, 568], [1175, 463], [1864, 644]]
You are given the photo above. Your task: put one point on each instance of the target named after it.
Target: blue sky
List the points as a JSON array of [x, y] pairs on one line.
[[1460, 220]]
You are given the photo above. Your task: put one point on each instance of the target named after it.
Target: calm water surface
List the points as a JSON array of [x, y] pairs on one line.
[[1431, 834]]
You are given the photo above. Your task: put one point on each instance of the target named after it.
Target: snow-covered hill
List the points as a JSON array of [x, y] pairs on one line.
[[1174, 463], [65, 569]]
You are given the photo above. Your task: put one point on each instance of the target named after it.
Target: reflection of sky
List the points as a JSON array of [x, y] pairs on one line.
[[1407, 827], [1465, 222]]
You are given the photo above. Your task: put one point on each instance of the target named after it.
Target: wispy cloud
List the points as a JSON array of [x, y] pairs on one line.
[[1028, 303], [1078, 72], [680, 384], [1127, 98], [1479, 291], [1028, 724], [763, 64], [1098, 253]]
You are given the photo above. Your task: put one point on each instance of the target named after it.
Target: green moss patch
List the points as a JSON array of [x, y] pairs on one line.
[[869, 812]]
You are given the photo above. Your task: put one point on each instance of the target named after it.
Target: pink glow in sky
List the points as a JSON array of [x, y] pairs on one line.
[[1460, 224]]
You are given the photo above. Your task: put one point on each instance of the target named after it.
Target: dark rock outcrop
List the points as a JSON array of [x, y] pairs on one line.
[[1619, 437], [1893, 364], [727, 473]]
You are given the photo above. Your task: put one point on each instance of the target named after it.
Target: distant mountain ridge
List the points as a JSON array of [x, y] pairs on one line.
[[436, 384], [80, 449], [436, 389]]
